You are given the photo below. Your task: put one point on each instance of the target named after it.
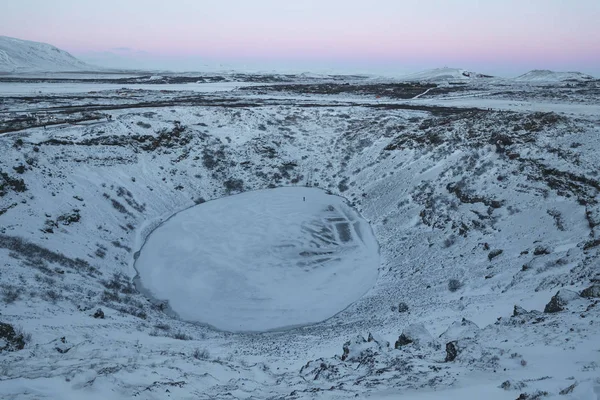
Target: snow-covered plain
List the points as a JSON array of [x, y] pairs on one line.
[[261, 260], [12, 89], [482, 217]]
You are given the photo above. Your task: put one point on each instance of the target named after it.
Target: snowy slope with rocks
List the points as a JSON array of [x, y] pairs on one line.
[[19, 56], [487, 223]]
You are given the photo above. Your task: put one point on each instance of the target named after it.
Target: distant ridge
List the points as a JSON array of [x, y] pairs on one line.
[[444, 75], [20, 56], [544, 75]]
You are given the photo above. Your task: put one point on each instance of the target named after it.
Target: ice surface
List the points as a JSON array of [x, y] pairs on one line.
[[261, 260]]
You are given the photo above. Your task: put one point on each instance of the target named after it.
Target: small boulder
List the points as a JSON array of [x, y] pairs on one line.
[[415, 334], [451, 351], [494, 253], [464, 329], [402, 307], [519, 311], [99, 314], [559, 301], [358, 349], [568, 389], [403, 340], [522, 316], [591, 292], [373, 337], [319, 370]]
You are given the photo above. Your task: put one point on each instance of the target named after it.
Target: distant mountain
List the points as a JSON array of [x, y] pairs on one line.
[[545, 76], [444, 75], [18, 55]]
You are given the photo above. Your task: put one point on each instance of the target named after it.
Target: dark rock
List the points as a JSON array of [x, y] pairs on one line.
[[494, 253], [451, 351], [415, 334], [69, 218], [10, 340], [99, 314], [402, 307], [535, 396], [554, 305], [540, 250], [519, 311], [560, 300], [496, 204], [7, 182], [62, 349], [591, 292], [568, 389], [403, 340], [454, 285], [512, 385]]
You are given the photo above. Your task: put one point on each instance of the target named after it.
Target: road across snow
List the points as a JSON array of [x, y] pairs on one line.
[[261, 260]]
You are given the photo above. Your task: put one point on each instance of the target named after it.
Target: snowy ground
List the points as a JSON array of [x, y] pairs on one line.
[[12, 89], [475, 211]]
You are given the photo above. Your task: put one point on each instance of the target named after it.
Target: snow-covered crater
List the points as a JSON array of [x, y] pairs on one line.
[[261, 260]]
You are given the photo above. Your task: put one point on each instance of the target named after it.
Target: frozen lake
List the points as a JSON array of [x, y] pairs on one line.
[[261, 260]]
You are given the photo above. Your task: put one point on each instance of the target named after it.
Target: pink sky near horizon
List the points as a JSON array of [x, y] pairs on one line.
[[488, 34]]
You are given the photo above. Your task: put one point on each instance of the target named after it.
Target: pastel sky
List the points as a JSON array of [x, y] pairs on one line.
[[504, 37]]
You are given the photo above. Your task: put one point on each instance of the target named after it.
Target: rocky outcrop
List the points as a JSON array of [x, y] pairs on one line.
[[591, 292], [560, 300], [10, 339], [451, 351], [415, 334], [463, 329]]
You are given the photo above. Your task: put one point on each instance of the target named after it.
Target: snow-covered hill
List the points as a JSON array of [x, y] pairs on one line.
[[18, 55], [545, 76], [444, 75]]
